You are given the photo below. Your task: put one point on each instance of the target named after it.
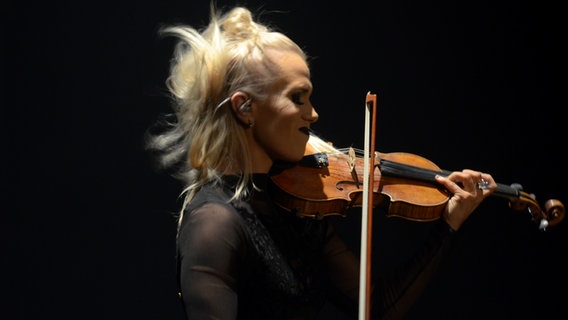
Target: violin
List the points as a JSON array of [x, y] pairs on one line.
[[328, 181]]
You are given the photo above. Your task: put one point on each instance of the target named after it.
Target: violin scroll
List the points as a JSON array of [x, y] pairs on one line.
[[519, 200], [555, 212]]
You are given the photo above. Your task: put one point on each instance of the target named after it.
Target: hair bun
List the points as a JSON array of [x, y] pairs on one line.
[[239, 24]]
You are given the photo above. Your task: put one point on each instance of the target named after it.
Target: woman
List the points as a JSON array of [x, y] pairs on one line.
[[241, 103]]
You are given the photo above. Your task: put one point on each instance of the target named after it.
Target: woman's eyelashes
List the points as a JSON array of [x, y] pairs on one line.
[[297, 99]]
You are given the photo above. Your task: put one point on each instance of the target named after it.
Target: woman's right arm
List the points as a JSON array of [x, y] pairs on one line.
[[209, 244]]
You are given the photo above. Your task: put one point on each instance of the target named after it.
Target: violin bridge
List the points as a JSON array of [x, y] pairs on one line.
[[351, 163]]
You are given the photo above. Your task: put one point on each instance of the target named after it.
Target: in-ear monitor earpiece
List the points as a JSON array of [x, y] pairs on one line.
[[245, 107]]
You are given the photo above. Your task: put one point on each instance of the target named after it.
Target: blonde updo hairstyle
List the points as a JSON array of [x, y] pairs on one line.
[[207, 67]]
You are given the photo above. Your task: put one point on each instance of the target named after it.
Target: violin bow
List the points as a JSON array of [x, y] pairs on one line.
[[367, 209]]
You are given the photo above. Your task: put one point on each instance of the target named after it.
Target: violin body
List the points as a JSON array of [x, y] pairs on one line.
[[337, 186]]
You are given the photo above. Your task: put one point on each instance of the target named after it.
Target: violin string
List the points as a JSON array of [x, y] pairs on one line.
[[319, 145]]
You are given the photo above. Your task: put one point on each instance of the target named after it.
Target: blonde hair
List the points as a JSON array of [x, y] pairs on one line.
[[207, 67]]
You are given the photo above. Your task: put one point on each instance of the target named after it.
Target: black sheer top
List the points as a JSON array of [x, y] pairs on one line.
[[250, 260]]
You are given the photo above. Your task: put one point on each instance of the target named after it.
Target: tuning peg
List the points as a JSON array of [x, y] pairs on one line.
[[517, 186], [543, 224]]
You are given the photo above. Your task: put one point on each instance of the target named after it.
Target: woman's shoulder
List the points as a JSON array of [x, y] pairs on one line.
[[212, 226], [211, 212], [214, 212]]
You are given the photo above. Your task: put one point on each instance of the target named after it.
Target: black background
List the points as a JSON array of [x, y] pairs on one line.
[[87, 223]]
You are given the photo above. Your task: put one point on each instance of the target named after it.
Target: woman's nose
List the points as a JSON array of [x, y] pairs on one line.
[[312, 116]]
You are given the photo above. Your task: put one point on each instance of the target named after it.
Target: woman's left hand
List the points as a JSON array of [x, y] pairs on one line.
[[468, 188]]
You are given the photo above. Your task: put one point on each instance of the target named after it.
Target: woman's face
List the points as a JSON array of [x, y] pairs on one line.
[[282, 123]]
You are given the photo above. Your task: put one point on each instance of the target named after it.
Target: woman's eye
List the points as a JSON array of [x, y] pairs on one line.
[[297, 99]]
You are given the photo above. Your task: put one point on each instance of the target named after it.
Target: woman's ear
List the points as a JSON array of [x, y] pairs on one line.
[[241, 104]]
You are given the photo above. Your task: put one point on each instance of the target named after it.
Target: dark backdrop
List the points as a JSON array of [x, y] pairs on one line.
[[88, 227]]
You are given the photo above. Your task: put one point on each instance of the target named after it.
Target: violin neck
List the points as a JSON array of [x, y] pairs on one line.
[[405, 171]]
